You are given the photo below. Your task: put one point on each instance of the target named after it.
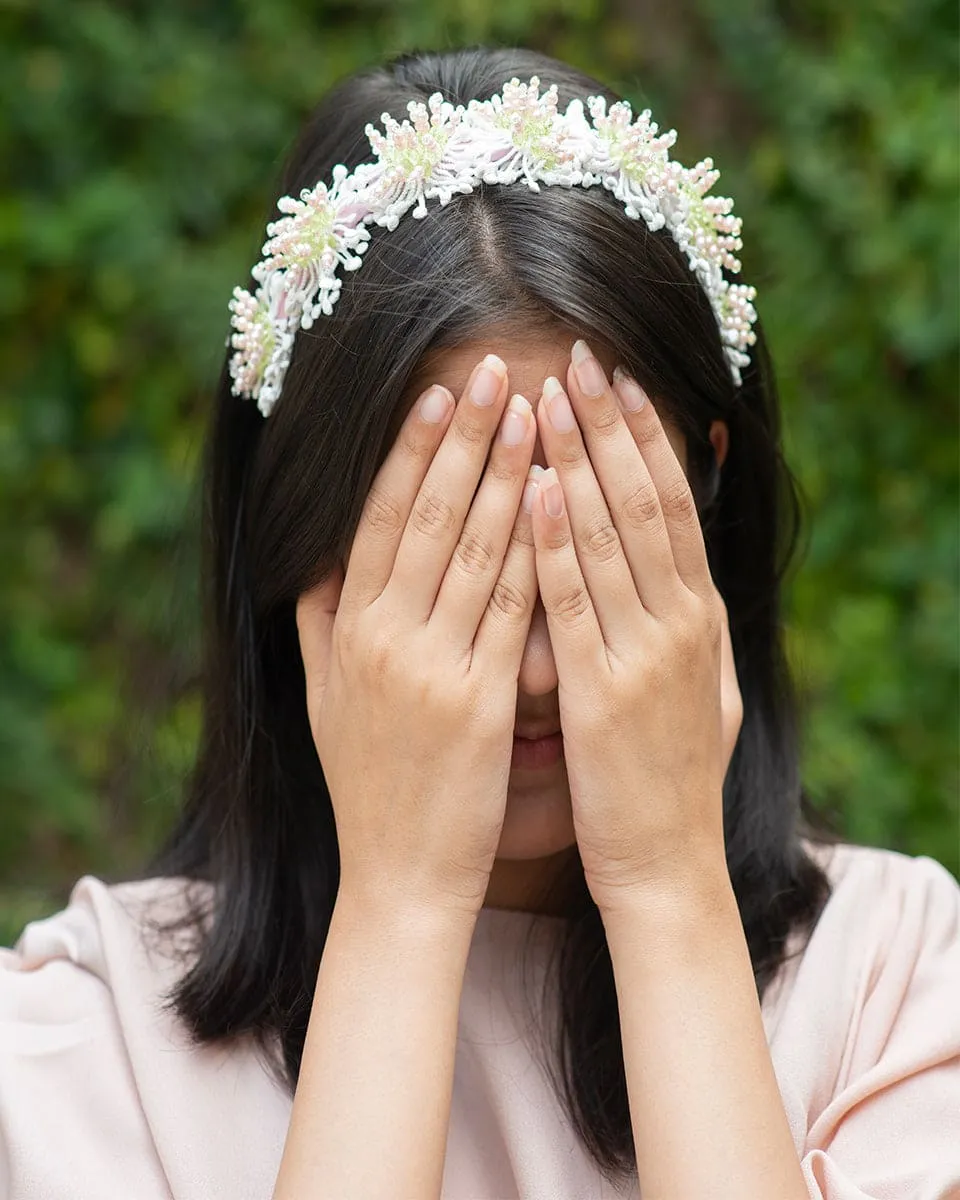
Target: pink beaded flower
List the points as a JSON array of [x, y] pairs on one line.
[[442, 150]]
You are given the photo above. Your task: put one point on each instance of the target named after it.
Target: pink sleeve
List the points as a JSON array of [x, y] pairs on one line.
[[71, 1123], [104, 1095], [891, 1130]]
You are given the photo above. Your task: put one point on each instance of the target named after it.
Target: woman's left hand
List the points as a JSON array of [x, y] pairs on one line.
[[650, 706]]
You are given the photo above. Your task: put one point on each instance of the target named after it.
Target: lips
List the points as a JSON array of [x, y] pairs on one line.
[[536, 753]]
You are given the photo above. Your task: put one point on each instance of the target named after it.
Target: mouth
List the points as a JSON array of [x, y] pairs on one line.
[[543, 751]]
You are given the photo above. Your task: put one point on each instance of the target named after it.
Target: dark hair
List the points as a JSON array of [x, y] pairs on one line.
[[282, 501]]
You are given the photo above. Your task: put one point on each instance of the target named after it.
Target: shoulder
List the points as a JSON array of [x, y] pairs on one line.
[[883, 960], [859, 861], [95, 966], [94, 1063], [864, 1028], [98, 963], [883, 891], [102, 925], [77, 1003], [885, 907]]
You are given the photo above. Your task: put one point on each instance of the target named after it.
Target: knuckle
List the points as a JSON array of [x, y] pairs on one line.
[[676, 498], [557, 539], [432, 514], [508, 600], [646, 434], [427, 689], [571, 604], [414, 443], [605, 420], [377, 655], [713, 619], [469, 433], [695, 627], [504, 469], [473, 553], [642, 505], [686, 640], [568, 453], [382, 512], [601, 540], [521, 536]]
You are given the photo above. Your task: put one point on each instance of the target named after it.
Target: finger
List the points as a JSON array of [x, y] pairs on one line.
[[675, 497], [391, 498], [502, 633], [443, 501], [316, 612], [597, 540], [475, 567], [626, 485], [575, 634]]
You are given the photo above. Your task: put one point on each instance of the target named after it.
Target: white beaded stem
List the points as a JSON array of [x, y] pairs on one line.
[[443, 150]]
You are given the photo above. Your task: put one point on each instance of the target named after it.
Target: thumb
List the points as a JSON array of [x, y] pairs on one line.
[[316, 613]]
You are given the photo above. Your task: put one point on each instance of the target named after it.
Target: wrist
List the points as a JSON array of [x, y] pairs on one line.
[[399, 915], [671, 899]]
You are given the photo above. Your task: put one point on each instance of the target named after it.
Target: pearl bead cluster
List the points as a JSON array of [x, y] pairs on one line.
[[443, 150]]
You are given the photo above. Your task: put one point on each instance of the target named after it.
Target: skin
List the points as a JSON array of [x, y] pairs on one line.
[[641, 643], [538, 831]]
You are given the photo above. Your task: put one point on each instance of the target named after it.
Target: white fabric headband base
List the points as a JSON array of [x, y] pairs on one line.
[[443, 150]]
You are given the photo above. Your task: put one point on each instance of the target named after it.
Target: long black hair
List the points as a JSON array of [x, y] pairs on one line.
[[282, 500]]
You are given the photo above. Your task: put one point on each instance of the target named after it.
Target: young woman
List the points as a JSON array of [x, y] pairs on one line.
[[496, 876]]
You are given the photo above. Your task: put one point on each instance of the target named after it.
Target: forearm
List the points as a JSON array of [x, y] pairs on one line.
[[705, 1106], [372, 1105]]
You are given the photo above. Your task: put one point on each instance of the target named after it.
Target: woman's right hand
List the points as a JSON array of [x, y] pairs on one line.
[[412, 658]]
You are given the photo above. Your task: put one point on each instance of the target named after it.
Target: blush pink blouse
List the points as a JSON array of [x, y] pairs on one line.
[[102, 1097]]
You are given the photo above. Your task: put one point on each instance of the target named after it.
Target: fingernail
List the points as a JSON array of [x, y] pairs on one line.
[[630, 394], [514, 426], [530, 489], [558, 406], [552, 492], [486, 385], [434, 405], [590, 374]]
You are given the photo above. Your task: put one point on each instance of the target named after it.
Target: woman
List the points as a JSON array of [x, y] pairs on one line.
[[455, 709]]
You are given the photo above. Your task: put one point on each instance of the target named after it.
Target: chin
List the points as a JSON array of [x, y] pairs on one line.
[[538, 821]]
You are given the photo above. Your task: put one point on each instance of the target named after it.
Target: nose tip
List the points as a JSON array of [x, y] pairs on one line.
[[538, 670]]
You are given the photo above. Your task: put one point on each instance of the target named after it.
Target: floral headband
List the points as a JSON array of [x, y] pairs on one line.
[[450, 150]]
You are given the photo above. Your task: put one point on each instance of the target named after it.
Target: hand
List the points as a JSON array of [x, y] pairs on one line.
[[650, 707], [412, 656]]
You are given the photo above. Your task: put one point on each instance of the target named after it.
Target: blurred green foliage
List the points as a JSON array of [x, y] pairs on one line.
[[139, 143]]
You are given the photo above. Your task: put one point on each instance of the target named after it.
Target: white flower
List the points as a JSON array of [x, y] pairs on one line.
[[442, 150]]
